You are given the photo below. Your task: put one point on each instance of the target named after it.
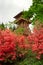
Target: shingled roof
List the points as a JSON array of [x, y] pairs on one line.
[[18, 15]]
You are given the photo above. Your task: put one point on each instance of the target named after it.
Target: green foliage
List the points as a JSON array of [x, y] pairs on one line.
[[27, 14], [36, 8], [37, 1], [30, 60], [2, 26], [19, 30]]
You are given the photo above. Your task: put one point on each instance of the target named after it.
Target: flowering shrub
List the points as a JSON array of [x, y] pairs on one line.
[[36, 41], [11, 46], [7, 45]]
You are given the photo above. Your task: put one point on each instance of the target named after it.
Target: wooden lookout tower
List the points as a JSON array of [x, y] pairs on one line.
[[22, 22]]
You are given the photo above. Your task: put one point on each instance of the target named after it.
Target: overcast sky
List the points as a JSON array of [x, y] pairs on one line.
[[9, 8]]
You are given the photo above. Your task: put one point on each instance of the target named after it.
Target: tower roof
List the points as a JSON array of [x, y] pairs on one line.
[[18, 15]]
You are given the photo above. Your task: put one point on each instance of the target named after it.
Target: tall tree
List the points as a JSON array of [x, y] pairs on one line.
[[2, 26], [36, 8]]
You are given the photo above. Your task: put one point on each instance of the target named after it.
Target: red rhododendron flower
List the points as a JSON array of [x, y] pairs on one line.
[[36, 40], [11, 45]]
